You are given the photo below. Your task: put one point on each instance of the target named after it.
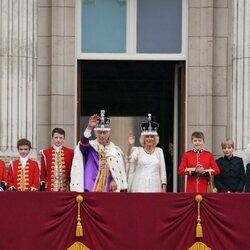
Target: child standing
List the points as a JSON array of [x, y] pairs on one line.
[[56, 164], [232, 173], [198, 165], [23, 173], [3, 176]]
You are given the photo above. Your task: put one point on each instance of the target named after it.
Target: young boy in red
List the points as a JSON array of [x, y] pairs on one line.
[[198, 165], [56, 164], [23, 173], [3, 176]]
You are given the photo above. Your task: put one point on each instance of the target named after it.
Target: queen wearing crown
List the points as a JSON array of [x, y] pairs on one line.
[[98, 165], [145, 165]]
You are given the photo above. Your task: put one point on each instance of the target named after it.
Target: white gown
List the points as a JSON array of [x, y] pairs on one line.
[[146, 172]]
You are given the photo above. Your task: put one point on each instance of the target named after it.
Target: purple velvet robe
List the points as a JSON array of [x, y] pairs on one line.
[[91, 165]]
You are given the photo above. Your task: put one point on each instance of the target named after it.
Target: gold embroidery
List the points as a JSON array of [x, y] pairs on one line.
[[57, 169], [101, 180]]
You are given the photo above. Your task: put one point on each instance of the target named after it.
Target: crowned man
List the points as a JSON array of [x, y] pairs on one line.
[[104, 167]]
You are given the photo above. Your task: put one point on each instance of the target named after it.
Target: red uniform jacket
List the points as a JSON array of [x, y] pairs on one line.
[[23, 179], [3, 174], [190, 160], [55, 168]]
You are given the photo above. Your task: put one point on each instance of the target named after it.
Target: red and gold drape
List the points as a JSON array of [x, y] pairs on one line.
[[122, 221]]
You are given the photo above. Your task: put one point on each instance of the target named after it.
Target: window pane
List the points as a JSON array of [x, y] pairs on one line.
[[159, 26], [104, 26]]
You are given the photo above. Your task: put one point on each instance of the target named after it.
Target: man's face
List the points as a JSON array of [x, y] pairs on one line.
[[197, 143], [102, 137], [23, 150], [57, 139], [228, 150]]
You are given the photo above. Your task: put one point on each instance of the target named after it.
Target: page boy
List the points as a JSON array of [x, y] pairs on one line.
[[56, 164], [23, 174], [198, 165]]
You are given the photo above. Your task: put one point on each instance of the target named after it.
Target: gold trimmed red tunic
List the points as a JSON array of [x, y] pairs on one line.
[[190, 160], [55, 168], [23, 178], [3, 174]]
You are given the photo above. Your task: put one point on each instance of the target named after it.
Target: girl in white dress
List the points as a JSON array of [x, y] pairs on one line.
[[146, 165]]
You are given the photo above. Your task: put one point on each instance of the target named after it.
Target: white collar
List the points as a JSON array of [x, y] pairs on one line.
[[57, 149], [24, 160]]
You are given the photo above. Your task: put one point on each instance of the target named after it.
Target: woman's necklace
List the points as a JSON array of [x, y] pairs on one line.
[[150, 151]]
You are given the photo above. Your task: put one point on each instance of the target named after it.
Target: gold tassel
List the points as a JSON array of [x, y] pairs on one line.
[[79, 228], [199, 232]]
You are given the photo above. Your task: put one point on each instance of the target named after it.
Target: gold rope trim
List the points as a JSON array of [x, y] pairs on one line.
[[79, 228], [199, 246], [199, 233]]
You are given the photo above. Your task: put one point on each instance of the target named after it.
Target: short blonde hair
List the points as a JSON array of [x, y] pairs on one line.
[[142, 140], [227, 142]]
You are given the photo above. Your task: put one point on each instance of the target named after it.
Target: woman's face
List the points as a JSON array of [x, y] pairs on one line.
[[149, 140]]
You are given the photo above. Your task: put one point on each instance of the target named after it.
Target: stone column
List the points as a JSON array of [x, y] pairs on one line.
[[200, 70], [56, 70], [18, 60], [241, 75], [209, 69]]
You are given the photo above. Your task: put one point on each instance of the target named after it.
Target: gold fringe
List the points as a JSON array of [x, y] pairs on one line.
[[199, 246], [79, 228], [199, 232], [78, 246]]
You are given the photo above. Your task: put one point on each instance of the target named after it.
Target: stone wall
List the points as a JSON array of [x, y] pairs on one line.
[[18, 75], [208, 71], [56, 70]]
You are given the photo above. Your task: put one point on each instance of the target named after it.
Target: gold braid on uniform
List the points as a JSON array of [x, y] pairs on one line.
[[102, 175]]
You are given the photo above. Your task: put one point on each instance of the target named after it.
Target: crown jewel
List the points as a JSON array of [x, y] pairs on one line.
[[150, 127], [103, 123]]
